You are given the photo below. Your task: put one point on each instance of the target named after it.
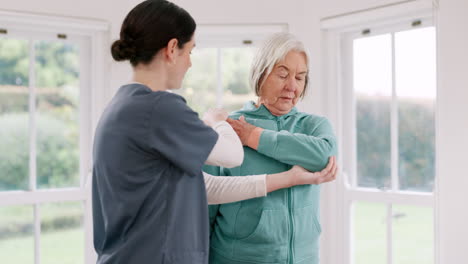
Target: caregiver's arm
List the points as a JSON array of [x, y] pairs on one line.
[[228, 151], [227, 189]]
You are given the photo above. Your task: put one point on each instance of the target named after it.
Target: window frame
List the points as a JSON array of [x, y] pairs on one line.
[[90, 36], [349, 107], [352, 192], [338, 34]]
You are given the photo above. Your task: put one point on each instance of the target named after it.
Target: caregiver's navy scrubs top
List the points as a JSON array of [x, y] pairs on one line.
[[149, 198]]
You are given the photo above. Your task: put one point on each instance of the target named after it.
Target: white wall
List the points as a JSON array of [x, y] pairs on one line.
[[330, 8], [452, 133]]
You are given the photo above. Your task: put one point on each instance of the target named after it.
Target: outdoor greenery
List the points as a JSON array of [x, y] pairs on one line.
[[416, 141], [57, 159], [413, 235], [200, 84], [56, 116], [18, 220], [61, 237], [60, 247], [56, 146]]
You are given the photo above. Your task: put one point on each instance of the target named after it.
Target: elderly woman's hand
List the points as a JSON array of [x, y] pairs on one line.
[[301, 176], [246, 132]]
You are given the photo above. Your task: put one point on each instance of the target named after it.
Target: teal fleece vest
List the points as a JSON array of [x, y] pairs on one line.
[[282, 227]]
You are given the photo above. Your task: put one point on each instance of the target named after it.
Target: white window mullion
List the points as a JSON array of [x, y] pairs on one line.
[[394, 154], [219, 78], [32, 117], [84, 113], [389, 234], [403, 198], [349, 177], [32, 149], [350, 92], [37, 234], [348, 245], [394, 124], [42, 196]]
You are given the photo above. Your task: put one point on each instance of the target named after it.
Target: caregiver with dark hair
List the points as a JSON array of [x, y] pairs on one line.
[[149, 199]]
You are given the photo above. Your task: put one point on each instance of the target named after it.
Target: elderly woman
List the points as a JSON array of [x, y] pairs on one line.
[[284, 226]]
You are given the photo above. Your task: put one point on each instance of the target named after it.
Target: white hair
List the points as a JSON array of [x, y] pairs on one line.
[[274, 49]]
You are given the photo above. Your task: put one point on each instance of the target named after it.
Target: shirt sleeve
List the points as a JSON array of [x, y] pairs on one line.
[[179, 135], [228, 151], [228, 189], [310, 151]]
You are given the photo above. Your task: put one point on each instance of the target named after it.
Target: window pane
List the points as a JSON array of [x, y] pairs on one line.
[[199, 86], [413, 235], [415, 56], [14, 117], [373, 89], [370, 246], [17, 234], [62, 233], [58, 93], [236, 66]]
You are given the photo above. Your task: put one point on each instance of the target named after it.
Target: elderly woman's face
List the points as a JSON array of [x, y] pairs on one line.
[[284, 85]]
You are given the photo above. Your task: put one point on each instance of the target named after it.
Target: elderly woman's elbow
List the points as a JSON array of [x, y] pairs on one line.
[[328, 151]]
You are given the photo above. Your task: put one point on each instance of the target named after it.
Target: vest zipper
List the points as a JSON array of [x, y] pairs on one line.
[[291, 227], [290, 213]]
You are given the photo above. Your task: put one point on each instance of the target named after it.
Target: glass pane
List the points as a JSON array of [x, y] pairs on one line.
[[235, 73], [370, 246], [58, 93], [200, 82], [17, 234], [373, 89], [415, 60], [413, 235], [62, 233], [14, 116]]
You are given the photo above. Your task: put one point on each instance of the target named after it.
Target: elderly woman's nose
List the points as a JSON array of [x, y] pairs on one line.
[[291, 84]]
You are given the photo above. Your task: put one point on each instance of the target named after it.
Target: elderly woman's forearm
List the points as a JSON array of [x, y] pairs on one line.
[[310, 152], [254, 138]]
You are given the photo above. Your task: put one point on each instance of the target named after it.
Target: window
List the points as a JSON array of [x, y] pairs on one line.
[[388, 130], [221, 60], [219, 78], [45, 128]]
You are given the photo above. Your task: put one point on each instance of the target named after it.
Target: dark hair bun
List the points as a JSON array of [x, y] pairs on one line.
[[123, 50], [148, 28]]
